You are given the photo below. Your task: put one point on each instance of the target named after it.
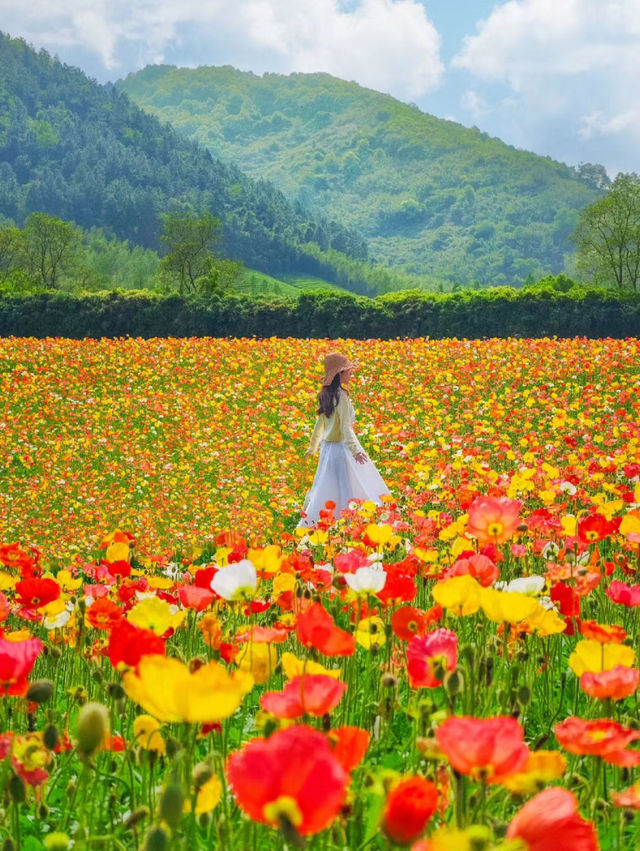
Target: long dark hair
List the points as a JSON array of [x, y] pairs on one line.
[[329, 395]]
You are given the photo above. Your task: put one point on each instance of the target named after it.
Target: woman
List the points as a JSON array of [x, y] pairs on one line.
[[344, 471]]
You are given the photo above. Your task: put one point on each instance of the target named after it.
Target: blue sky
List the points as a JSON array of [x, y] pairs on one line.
[[558, 77]]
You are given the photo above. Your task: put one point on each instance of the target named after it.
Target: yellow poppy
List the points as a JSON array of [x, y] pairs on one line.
[[155, 614], [146, 731], [541, 768], [370, 631], [509, 606], [461, 594], [294, 667], [167, 689], [593, 657]]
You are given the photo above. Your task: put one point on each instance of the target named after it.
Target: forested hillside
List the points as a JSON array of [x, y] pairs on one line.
[[83, 152], [430, 195]]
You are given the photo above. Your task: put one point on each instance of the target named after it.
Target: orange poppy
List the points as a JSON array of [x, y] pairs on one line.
[[486, 749]]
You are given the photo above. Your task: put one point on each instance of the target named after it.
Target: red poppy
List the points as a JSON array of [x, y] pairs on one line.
[[567, 599], [625, 595], [17, 658], [292, 780], [15, 557], [349, 745], [487, 749], [104, 614], [476, 565], [315, 628], [601, 737], [551, 822], [36, 593], [202, 577], [398, 587], [128, 644], [195, 597], [594, 528], [351, 561], [310, 694], [408, 621], [426, 654], [5, 607], [118, 568], [614, 684], [409, 806]]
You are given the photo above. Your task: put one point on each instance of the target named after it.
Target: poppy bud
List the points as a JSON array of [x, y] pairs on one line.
[[202, 772], [468, 654], [40, 691], [134, 818], [17, 789], [453, 683], [57, 842], [156, 840], [92, 728], [50, 737], [115, 691], [524, 695], [8, 844], [97, 675], [172, 747], [389, 681], [171, 804], [54, 652]]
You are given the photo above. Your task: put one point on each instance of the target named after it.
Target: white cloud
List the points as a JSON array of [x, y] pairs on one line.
[[475, 104], [572, 65], [385, 44]]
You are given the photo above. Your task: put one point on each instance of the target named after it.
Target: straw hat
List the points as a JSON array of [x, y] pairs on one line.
[[334, 362]]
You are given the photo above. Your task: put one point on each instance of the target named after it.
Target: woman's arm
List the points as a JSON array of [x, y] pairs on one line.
[[316, 437]]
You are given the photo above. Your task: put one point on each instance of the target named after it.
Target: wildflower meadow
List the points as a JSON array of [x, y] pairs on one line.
[[453, 670]]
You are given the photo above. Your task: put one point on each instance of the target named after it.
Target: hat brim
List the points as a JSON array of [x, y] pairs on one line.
[[328, 378]]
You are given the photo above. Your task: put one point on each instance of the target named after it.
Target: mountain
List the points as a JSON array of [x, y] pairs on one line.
[[430, 195], [84, 152]]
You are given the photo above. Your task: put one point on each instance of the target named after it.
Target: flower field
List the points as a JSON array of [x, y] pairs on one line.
[[454, 670]]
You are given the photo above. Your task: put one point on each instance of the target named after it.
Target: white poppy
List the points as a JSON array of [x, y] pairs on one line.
[[531, 585], [568, 487], [236, 582], [57, 621], [366, 580]]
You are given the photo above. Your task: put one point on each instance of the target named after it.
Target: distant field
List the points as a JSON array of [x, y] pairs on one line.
[[175, 438], [258, 283]]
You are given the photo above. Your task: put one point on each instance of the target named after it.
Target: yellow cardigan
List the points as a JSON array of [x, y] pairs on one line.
[[336, 427]]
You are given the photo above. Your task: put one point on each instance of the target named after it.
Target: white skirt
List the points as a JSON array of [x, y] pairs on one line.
[[340, 477]]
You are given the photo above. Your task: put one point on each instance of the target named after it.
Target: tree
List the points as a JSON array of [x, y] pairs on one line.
[[608, 235], [11, 250], [190, 261], [52, 249]]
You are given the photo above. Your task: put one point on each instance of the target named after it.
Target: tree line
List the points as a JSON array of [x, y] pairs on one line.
[[49, 253]]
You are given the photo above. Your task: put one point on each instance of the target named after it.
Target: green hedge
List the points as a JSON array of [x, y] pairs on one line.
[[500, 312]]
